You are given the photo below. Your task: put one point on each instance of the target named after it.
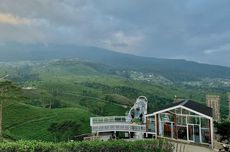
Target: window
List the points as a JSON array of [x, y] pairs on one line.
[[205, 135], [193, 120], [184, 111], [182, 132], [204, 123], [181, 120], [178, 111]]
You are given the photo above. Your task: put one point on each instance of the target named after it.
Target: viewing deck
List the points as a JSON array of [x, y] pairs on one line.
[[115, 123]]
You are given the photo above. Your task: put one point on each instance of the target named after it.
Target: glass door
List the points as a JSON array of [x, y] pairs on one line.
[[196, 129], [194, 133]]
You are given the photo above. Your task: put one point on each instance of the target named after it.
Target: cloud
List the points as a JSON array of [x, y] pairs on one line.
[[118, 41], [221, 49], [13, 20], [193, 29]]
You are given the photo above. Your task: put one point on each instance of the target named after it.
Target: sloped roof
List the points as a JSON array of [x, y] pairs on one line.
[[191, 105]]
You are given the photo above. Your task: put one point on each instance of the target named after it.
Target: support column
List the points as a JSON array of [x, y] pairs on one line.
[[157, 125], [175, 126], [147, 124], [209, 131], [200, 134], [212, 133]]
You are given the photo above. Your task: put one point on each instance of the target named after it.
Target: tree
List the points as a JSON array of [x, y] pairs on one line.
[[223, 129]]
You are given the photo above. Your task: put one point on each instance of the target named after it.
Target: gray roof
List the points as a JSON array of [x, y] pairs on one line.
[[192, 105]]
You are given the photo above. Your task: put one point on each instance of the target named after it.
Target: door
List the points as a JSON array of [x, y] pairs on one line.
[[194, 133], [196, 129]]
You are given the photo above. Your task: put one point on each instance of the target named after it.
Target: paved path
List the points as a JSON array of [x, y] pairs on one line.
[[180, 147]]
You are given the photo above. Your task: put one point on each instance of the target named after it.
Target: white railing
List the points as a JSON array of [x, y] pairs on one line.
[[109, 119], [119, 127]]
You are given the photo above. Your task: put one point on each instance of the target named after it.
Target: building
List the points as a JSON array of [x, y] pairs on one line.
[[213, 101], [185, 120]]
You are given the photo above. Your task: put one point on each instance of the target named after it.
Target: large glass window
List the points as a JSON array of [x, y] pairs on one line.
[[205, 135], [166, 117], [204, 123], [181, 120], [182, 132], [151, 124], [184, 111], [178, 111], [193, 120]]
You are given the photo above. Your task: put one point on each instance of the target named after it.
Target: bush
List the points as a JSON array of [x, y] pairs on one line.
[[88, 146]]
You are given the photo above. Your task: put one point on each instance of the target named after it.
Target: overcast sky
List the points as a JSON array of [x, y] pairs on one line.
[[197, 30]]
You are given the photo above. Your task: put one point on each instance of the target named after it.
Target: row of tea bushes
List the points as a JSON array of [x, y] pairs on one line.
[[88, 146]]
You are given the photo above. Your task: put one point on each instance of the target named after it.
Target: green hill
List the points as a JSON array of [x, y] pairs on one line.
[[24, 121], [53, 96], [27, 122]]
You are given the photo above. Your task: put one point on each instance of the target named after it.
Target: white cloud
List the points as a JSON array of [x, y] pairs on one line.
[[221, 49], [119, 41], [13, 20]]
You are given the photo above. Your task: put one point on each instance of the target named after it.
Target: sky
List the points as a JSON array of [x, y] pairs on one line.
[[197, 30]]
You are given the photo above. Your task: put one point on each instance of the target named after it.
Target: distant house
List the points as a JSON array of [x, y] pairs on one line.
[[184, 120]]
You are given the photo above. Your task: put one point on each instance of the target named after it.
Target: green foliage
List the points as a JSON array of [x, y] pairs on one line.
[[223, 129], [66, 90], [23, 121], [23, 74], [9, 90], [119, 99], [64, 130], [88, 146]]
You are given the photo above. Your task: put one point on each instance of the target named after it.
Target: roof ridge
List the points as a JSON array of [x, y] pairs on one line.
[[184, 102]]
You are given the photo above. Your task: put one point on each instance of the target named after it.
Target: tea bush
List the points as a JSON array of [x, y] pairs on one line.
[[88, 146]]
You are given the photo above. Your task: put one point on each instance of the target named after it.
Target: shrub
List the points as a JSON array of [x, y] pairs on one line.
[[88, 146]]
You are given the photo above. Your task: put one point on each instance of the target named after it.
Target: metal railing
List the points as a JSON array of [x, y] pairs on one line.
[[109, 119], [119, 127]]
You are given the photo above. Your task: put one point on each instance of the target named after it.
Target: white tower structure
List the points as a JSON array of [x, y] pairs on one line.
[[213, 101]]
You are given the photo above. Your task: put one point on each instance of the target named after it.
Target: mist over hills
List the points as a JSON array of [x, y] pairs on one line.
[[173, 69]]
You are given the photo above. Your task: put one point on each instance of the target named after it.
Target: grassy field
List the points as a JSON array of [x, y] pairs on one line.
[[22, 121]]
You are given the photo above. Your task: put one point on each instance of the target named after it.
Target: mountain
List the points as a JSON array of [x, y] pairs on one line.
[[172, 69], [61, 92]]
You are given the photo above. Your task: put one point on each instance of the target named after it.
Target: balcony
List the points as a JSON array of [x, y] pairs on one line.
[[109, 120], [120, 127], [115, 123]]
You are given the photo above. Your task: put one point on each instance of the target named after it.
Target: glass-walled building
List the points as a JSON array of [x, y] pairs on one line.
[[185, 120]]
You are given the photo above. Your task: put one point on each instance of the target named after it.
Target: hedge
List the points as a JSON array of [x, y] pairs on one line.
[[88, 146]]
